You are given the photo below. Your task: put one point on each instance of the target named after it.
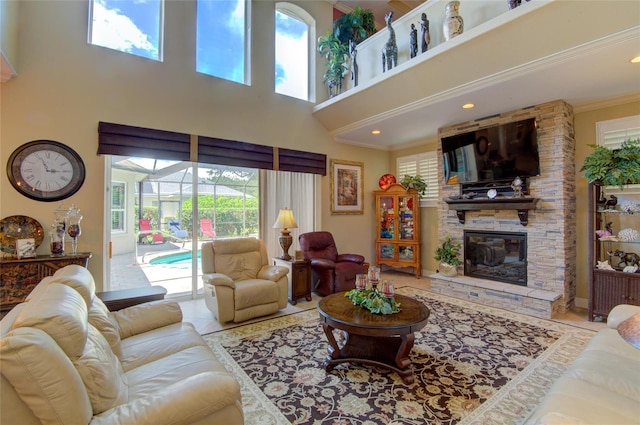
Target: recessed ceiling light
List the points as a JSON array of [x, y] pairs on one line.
[[636, 59], [376, 132], [468, 105]]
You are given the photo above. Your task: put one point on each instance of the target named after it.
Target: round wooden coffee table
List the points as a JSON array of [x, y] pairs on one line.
[[374, 339]]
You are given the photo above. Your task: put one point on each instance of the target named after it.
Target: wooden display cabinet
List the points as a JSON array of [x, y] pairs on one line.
[[18, 277], [398, 228], [608, 288]]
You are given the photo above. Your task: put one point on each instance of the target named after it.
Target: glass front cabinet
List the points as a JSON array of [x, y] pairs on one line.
[[614, 251], [398, 228]]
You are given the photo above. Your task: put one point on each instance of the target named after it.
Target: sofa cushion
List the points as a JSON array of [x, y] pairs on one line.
[[43, 377], [254, 292], [155, 344], [61, 312], [241, 266], [102, 374], [101, 318], [78, 278]]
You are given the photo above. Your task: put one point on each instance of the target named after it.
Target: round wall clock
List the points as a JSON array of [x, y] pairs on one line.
[[45, 170]]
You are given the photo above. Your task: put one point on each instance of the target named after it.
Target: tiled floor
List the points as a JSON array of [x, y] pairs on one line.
[[196, 312]]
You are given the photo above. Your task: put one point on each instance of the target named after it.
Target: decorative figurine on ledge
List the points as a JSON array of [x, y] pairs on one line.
[[517, 187], [426, 35], [353, 50], [413, 41], [390, 49]]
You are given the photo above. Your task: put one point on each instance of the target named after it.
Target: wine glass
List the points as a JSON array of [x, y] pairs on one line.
[[73, 227]]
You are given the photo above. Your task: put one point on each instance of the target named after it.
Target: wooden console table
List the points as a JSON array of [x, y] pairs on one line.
[[18, 277]]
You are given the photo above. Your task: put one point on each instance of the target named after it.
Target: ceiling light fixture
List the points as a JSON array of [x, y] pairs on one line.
[[468, 105], [636, 59], [376, 132]]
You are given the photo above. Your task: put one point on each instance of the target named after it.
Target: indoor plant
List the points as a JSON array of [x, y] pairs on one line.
[[334, 46], [447, 254], [614, 167], [415, 182]]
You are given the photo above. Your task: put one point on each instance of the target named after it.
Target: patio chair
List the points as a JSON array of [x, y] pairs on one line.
[[174, 226], [206, 228], [145, 230]]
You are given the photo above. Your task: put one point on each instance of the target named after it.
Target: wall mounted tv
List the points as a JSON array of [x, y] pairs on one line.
[[492, 154]]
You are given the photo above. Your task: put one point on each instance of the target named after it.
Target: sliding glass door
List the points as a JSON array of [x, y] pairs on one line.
[[162, 212]]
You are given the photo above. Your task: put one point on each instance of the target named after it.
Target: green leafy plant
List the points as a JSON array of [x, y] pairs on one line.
[[614, 167], [373, 300], [448, 252], [415, 182], [334, 46], [335, 53]]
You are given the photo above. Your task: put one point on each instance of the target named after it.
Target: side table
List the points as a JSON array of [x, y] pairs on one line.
[[123, 298], [18, 276], [299, 278]]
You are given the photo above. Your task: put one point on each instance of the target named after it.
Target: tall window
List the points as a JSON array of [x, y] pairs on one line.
[[118, 206], [426, 165], [221, 39], [293, 28], [133, 27]]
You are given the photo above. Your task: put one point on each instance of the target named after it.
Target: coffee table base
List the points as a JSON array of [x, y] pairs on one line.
[[382, 351]]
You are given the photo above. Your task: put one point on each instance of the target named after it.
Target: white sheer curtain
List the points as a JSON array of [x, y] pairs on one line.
[[283, 189]]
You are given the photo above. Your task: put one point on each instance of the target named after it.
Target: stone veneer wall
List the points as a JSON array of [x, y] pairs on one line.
[[551, 231]]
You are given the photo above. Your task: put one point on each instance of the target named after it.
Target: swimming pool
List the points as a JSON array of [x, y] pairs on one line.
[[179, 259]]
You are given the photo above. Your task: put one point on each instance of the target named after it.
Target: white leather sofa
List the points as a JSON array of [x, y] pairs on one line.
[[601, 386], [65, 359], [239, 281]]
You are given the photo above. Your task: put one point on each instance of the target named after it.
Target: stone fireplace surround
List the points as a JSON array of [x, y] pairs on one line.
[[551, 227]]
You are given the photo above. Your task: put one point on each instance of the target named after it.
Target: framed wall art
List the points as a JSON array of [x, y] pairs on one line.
[[347, 187]]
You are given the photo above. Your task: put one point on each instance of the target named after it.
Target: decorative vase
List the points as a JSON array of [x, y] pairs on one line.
[[447, 269], [453, 24]]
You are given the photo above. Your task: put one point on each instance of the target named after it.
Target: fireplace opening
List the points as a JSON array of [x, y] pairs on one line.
[[500, 256]]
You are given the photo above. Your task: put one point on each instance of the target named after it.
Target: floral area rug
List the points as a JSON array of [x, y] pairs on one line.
[[473, 365]]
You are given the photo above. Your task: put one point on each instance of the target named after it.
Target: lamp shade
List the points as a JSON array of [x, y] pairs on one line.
[[285, 220]]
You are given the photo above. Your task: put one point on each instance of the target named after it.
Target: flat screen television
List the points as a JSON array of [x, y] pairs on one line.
[[492, 154]]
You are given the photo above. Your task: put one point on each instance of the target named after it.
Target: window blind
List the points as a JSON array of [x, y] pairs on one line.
[[612, 133], [126, 140], [426, 165], [302, 162], [212, 150]]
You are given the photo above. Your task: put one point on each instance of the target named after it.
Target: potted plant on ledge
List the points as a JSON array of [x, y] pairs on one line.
[[334, 46], [614, 167], [447, 254]]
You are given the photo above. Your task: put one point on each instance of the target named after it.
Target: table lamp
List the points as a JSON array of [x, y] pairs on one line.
[[285, 221]]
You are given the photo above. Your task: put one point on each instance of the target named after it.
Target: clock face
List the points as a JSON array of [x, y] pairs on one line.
[[46, 170]]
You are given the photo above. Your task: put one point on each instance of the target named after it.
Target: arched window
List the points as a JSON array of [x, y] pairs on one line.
[[295, 35]]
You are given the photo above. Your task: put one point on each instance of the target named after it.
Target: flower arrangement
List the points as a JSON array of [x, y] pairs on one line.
[[373, 300]]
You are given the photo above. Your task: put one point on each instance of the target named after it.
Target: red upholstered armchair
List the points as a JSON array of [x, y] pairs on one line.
[[330, 272]]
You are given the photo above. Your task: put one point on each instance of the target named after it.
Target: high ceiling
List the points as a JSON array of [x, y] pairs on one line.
[[583, 74]]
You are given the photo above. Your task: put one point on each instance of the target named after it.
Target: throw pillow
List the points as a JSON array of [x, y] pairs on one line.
[[629, 330]]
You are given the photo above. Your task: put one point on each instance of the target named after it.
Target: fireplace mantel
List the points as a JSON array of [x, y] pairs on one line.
[[522, 205]]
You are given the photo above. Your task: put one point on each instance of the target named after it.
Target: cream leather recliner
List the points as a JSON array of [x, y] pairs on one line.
[[239, 282]]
